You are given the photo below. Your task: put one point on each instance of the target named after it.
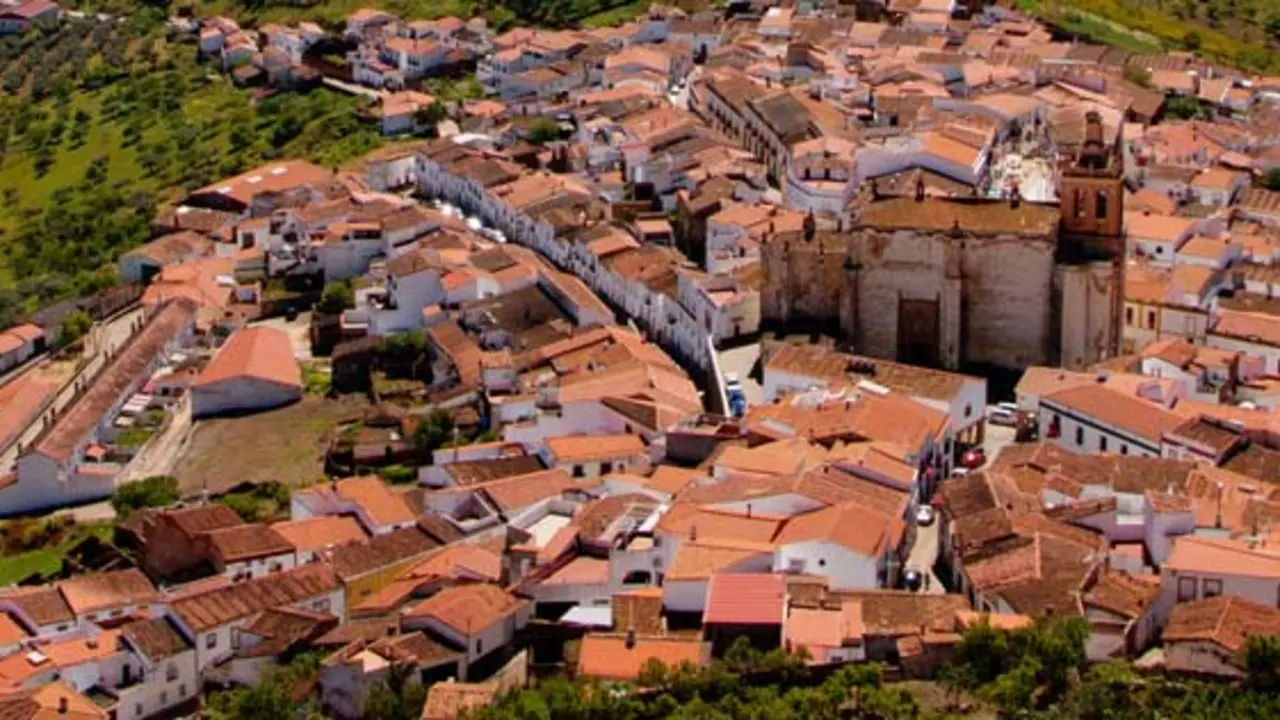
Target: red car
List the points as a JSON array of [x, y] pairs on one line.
[[974, 459]]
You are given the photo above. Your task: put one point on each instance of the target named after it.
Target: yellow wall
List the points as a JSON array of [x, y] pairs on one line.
[[361, 587]]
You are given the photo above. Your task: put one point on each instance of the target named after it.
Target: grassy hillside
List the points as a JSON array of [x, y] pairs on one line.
[[101, 123], [1245, 33]]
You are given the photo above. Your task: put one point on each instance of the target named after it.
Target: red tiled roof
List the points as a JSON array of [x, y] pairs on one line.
[[261, 353], [612, 657], [746, 599], [468, 609], [59, 443]]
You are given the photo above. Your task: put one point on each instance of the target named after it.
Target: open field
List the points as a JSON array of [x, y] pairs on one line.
[[49, 559], [285, 445]]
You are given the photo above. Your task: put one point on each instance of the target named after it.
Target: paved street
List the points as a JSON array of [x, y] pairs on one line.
[[741, 360], [997, 437], [924, 553]]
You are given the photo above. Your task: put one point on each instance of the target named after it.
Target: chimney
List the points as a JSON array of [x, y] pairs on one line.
[[748, 509], [631, 638], [62, 705]]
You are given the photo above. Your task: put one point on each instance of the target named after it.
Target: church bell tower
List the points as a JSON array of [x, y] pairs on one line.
[[1089, 278]]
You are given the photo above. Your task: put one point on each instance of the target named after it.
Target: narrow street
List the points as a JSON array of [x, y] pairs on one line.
[[161, 454], [742, 360]]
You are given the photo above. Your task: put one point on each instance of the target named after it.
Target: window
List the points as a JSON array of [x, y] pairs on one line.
[[1151, 319], [182, 691], [137, 709], [1079, 203], [1128, 316], [1079, 435], [1102, 205], [164, 697], [1102, 443], [210, 641], [1186, 589], [606, 468], [578, 472], [479, 646], [1124, 449], [822, 562], [322, 605], [968, 410], [1212, 588], [171, 673]]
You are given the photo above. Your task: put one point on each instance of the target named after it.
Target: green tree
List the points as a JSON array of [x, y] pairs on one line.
[[399, 697], [1182, 107], [1138, 75], [433, 431], [245, 505], [542, 131], [336, 297], [428, 117], [1192, 40], [75, 326], [1262, 663], [981, 656], [155, 491], [1272, 179]]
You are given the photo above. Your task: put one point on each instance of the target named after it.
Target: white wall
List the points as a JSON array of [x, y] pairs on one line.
[[843, 568], [241, 394]]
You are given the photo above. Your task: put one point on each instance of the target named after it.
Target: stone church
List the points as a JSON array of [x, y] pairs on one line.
[[958, 282]]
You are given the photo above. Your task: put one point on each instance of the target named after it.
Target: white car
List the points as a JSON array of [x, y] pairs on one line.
[[925, 515], [1006, 413]]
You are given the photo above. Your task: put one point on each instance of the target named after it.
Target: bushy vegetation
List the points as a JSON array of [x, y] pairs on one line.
[[1239, 32], [260, 503], [101, 122], [157, 491], [433, 431]]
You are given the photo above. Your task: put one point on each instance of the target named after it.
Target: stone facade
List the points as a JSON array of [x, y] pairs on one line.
[[953, 282]]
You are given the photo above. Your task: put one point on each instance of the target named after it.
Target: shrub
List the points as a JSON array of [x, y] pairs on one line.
[[157, 491]]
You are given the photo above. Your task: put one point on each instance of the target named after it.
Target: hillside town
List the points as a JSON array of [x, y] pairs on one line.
[[838, 332]]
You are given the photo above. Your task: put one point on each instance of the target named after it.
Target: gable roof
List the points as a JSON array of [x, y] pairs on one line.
[[219, 606], [261, 353], [746, 599], [98, 591], [468, 609]]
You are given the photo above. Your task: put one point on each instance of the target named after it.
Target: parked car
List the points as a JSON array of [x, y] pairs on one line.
[[974, 459], [735, 395], [913, 580], [1005, 413], [925, 515]]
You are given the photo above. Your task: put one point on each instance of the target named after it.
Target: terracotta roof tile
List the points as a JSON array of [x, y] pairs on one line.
[[612, 657], [261, 353], [745, 599], [219, 606], [99, 591], [468, 609], [318, 533]]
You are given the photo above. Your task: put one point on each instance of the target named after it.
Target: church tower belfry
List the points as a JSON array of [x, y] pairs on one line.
[[1089, 278], [1091, 189]]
